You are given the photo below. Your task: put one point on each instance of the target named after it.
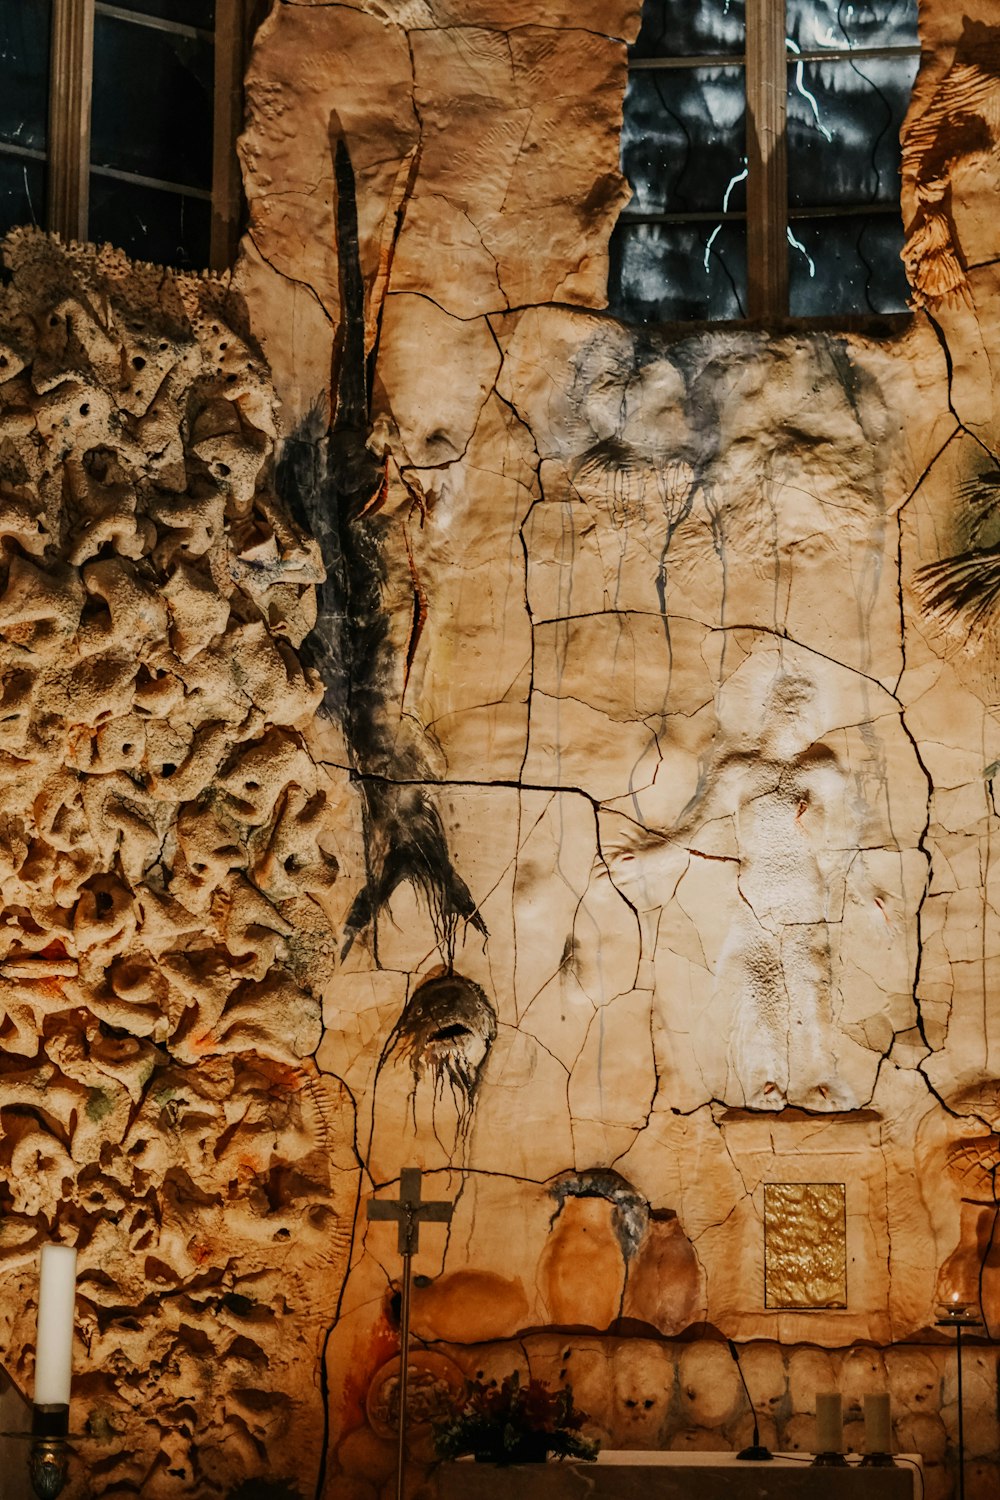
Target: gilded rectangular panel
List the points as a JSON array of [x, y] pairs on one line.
[[805, 1245]]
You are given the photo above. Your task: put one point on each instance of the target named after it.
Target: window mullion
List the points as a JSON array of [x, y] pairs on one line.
[[230, 32], [71, 73], [767, 159]]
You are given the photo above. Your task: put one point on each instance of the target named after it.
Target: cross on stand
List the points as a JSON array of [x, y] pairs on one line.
[[409, 1212]]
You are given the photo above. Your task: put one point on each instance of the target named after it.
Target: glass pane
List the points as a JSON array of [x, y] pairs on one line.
[[683, 139], [843, 130], [690, 28], [661, 272], [812, 24], [846, 265], [152, 111], [166, 228], [186, 12], [24, 70], [22, 191]]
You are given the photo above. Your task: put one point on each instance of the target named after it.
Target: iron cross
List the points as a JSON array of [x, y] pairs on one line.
[[409, 1212]]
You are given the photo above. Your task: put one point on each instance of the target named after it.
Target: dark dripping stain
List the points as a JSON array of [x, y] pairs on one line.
[[336, 484]]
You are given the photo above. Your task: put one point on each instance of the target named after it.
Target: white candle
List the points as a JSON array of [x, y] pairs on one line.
[[54, 1339], [829, 1423], [878, 1423]]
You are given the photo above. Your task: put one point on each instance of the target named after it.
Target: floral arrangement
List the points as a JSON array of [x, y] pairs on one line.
[[511, 1423]]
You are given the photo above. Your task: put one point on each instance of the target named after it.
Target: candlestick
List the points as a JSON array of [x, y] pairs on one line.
[[829, 1429], [829, 1423], [878, 1431], [54, 1338]]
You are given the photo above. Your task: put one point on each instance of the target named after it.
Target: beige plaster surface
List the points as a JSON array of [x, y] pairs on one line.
[[674, 650]]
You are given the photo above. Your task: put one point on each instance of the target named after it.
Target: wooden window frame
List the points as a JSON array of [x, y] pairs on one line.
[[71, 74], [767, 159], [767, 214]]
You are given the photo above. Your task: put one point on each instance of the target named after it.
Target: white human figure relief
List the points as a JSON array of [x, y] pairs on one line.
[[776, 806], [791, 797]]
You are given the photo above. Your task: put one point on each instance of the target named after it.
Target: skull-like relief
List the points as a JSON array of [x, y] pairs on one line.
[[446, 1032]]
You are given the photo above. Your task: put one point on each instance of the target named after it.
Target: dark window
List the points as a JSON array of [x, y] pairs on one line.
[[151, 133], [109, 115], [720, 228], [24, 109]]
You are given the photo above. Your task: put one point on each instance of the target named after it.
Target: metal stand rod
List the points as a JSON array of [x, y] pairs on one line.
[[404, 1367], [408, 1213], [956, 1317], [961, 1419]]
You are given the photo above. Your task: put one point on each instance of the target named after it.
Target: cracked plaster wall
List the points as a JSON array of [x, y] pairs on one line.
[[688, 644]]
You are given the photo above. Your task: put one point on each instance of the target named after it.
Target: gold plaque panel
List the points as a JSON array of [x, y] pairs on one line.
[[805, 1244]]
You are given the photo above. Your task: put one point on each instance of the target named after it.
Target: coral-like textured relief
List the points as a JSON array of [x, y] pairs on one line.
[[167, 873]]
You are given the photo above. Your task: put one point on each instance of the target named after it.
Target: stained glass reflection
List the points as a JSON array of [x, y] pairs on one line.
[[846, 265], [168, 229], [690, 28], [684, 154], [844, 119], [683, 139], [812, 24], [183, 12], [152, 111], [22, 192], [24, 67], [663, 272]]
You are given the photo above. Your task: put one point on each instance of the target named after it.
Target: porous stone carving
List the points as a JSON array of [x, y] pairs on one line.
[[709, 1384], [167, 874]]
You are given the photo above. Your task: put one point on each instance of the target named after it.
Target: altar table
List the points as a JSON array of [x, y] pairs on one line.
[[681, 1476]]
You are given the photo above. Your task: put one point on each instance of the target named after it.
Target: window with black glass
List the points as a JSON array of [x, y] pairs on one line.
[[151, 129], [24, 109], [755, 194], [113, 126]]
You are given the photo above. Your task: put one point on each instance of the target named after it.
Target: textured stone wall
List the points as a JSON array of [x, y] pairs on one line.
[[570, 770], [168, 879]]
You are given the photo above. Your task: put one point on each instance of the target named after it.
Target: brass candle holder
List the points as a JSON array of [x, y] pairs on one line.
[[878, 1432], [48, 1456], [49, 1451]]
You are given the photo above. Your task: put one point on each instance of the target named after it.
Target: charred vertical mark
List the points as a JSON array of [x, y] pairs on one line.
[[339, 484]]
